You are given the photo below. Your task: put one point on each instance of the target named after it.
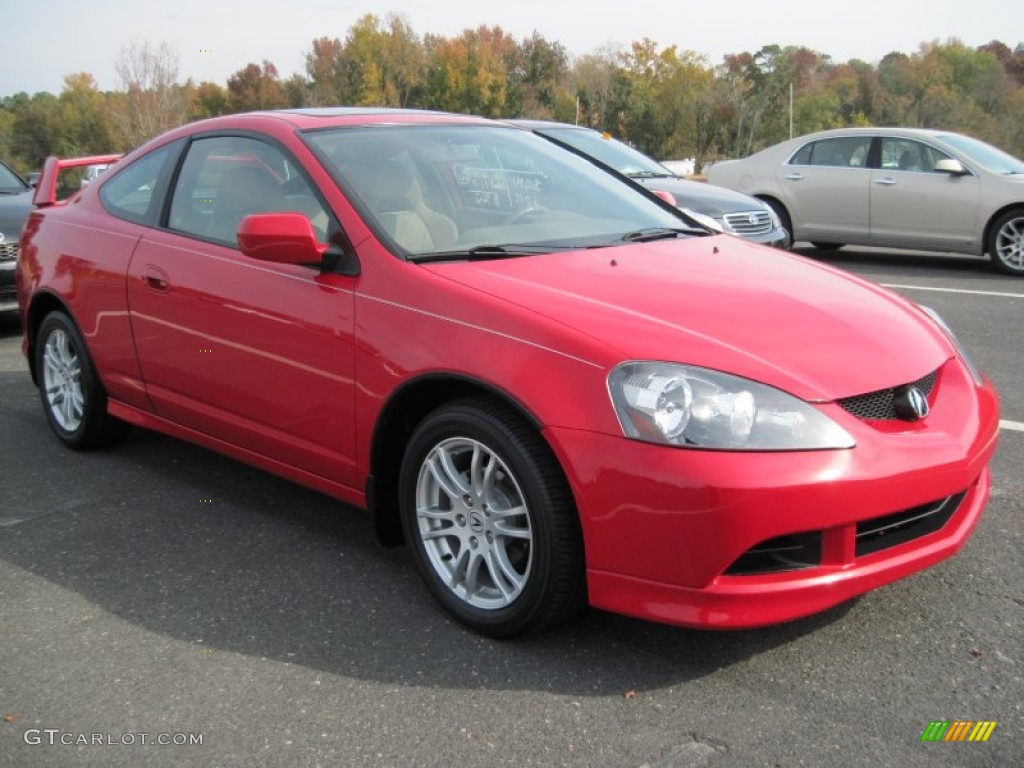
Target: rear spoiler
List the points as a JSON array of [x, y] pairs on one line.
[[46, 189]]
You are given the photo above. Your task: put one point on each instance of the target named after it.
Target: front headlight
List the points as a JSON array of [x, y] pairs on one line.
[[975, 373], [695, 407]]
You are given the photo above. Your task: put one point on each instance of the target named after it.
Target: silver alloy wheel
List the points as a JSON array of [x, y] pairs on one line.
[[1009, 243], [62, 381], [474, 523]]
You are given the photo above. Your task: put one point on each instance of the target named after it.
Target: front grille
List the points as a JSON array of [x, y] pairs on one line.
[[8, 251], [879, 405], [750, 222], [799, 551], [901, 527]]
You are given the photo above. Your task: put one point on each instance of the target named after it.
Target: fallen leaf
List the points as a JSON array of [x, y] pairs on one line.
[[10, 717], [977, 653], [630, 694]]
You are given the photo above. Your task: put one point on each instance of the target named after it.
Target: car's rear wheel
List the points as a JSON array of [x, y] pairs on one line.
[[821, 246], [73, 398], [490, 519], [1006, 243]]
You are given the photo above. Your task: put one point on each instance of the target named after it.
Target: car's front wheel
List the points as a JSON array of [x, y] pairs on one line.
[[783, 215], [490, 519], [1006, 243], [73, 398]]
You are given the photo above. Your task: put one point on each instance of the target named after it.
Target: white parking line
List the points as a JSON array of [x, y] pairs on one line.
[[1016, 426], [955, 290]]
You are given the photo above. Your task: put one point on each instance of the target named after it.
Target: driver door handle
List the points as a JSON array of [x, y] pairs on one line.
[[155, 278]]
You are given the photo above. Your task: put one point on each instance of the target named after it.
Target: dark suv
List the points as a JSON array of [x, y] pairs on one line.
[[15, 204]]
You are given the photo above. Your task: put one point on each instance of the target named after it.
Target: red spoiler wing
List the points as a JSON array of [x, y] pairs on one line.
[[46, 189]]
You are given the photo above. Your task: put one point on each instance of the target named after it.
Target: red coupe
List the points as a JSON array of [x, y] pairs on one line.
[[555, 388]]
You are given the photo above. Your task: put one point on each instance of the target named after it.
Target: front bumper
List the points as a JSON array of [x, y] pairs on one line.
[[8, 297], [777, 238], [667, 530]]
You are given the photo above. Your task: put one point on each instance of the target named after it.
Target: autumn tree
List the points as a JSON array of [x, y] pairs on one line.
[[593, 79], [255, 87], [327, 77], [537, 72], [206, 100], [85, 119], [469, 73], [38, 131], [153, 101]]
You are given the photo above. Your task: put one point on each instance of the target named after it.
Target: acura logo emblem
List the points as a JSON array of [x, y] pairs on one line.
[[910, 404]]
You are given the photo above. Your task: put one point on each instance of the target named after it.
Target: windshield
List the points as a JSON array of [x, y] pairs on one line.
[[985, 155], [10, 182], [609, 151], [481, 191]]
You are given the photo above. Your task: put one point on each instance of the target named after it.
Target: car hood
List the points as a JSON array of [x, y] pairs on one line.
[[721, 303], [702, 197], [14, 210]]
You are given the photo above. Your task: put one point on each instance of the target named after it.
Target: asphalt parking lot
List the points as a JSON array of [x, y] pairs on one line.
[[159, 592]]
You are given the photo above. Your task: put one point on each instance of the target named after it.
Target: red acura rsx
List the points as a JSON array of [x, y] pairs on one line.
[[556, 388]]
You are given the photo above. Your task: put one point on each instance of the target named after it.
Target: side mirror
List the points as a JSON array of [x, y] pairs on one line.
[[668, 197], [283, 238], [951, 166]]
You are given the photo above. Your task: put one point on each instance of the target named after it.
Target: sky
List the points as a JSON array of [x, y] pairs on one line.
[[44, 40]]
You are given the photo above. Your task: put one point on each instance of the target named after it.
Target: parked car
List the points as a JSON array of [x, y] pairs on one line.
[[893, 187], [723, 210], [553, 388], [32, 178], [15, 203]]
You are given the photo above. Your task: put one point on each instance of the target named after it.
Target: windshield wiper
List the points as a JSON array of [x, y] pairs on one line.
[[482, 252], [658, 233]]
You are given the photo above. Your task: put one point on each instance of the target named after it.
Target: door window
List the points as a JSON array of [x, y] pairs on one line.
[[838, 151], [226, 178], [909, 155]]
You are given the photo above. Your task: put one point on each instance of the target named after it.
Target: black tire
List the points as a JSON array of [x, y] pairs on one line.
[[73, 398], [1006, 243], [783, 214], [826, 246], [544, 557]]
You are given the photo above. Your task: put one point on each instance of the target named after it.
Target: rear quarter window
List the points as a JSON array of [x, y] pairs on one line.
[[130, 194]]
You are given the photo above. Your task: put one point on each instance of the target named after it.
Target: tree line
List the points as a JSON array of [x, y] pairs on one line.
[[668, 102]]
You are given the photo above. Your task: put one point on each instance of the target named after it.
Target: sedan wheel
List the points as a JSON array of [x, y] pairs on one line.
[[490, 520], [1006, 243], [73, 397]]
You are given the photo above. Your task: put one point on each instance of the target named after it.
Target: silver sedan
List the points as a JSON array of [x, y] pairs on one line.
[[891, 187]]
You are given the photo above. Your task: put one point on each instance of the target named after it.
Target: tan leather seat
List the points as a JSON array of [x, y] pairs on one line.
[[397, 202]]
